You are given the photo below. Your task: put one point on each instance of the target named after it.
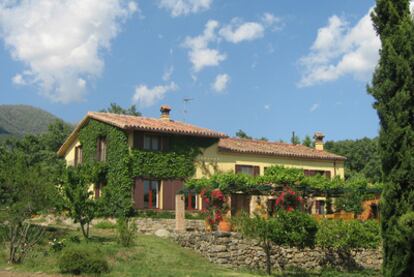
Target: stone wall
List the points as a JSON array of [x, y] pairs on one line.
[[231, 249], [152, 225]]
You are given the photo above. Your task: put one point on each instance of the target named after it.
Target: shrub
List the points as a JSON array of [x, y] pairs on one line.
[[105, 225], [74, 238], [346, 235], [126, 232], [82, 259]]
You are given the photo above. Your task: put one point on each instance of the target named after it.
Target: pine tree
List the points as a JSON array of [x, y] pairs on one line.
[[393, 90]]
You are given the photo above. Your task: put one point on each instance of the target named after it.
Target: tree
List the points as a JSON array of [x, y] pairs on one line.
[[294, 139], [362, 157], [56, 135], [82, 208], [242, 134], [28, 175], [393, 90], [307, 141], [115, 108]]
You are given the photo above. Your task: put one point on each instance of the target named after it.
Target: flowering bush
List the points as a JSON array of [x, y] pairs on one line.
[[289, 201], [57, 245], [217, 206]]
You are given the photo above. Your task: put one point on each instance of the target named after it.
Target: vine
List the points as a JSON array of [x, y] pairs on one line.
[[122, 165]]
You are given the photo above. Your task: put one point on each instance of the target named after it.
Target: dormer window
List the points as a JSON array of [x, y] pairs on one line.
[[101, 149], [78, 155]]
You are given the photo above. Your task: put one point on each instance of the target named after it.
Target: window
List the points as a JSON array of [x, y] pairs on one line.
[[101, 149], [248, 169], [151, 194], [98, 189], [320, 207], [327, 173], [78, 155], [191, 201], [152, 143]]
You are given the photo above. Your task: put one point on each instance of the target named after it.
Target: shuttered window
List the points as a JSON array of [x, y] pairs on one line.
[[248, 169], [326, 173], [78, 155], [151, 142], [101, 149]]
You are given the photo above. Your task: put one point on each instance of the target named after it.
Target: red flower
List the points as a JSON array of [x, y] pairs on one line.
[[217, 194], [289, 209]]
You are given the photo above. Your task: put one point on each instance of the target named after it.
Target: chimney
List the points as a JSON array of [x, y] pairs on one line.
[[165, 112], [318, 136]]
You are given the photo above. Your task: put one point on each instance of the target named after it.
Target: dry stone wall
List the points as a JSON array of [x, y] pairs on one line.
[[233, 250]]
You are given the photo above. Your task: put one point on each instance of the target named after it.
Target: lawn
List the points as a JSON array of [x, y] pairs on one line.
[[150, 256]]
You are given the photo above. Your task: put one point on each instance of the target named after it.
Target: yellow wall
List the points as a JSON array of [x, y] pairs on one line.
[[70, 153], [212, 161]]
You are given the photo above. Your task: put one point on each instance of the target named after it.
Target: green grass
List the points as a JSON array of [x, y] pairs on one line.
[[150, 256]]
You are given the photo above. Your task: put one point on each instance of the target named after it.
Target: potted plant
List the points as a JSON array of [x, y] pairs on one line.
[[216, 211]]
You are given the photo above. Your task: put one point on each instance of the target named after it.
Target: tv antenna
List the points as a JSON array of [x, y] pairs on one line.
[[186, 101]]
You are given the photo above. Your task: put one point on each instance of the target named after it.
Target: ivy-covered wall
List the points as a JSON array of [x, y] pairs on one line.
[[122, 165]]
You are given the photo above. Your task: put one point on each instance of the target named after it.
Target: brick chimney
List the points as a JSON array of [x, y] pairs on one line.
[[165, 112], [318, 137]]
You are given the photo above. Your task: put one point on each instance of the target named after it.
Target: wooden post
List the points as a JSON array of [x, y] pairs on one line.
[[180, 213]]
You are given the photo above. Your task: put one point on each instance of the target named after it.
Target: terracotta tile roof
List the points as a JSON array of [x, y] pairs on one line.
[[129, 122], [249, 146]]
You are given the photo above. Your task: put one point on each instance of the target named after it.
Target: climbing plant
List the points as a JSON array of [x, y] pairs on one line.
[[123, 164]]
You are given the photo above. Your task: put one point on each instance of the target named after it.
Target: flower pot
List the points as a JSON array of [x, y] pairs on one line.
[[224, 226]]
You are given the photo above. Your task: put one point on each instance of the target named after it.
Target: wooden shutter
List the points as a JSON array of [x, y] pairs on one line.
[[165, 143], [103, 149], [238, 168], [256, 170], [98, 149], [138, 140], [139, 194], [169, 189]]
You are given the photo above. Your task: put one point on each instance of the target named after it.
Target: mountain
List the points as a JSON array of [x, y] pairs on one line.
[[20, 120]]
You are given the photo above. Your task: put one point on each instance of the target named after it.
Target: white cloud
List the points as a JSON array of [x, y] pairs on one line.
[[221, 82], [271, 21], [145, 96], [314, 107], [60, 42], [342, 50], [18, 80], [168, 73], [200, 55], [237, 31], [185, 7]]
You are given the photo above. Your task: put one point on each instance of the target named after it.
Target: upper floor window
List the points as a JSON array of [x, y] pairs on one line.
[[151, 142], [326, 173], [101, 149], [78, 155], [248, 169]]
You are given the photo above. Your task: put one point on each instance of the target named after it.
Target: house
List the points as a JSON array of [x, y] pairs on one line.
[[164, 152]]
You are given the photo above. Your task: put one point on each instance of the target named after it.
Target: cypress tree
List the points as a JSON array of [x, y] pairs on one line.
[[393, 90]]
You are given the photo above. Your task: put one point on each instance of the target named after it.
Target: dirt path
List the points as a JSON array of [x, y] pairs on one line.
[[5, 273]]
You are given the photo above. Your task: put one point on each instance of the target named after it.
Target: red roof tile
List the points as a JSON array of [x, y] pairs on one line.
[[249, 146], [154, 125]]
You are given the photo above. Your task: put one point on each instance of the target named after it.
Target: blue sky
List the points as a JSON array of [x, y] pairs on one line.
[[267, 67]]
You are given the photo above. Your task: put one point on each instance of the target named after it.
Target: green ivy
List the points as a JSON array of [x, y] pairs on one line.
[[122, 165]]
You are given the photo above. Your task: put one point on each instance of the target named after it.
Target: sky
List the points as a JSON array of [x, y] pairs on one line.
[[267, 67]]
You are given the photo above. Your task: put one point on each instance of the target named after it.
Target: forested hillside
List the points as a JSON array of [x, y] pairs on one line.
[[20, 120], [362, 156]]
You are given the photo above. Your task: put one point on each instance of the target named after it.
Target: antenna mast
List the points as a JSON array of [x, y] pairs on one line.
[[185, 111]]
